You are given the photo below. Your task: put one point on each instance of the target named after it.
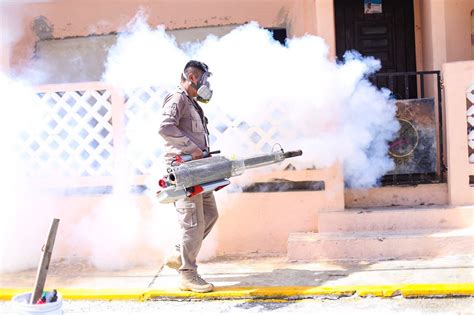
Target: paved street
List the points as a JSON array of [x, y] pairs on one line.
[[351, 306]]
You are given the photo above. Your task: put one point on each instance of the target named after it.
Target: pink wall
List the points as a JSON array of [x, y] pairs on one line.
[[442, 27], [434, 34], [458, 76], [419, 195], [262, 222], [445, 29], [458, 29], [69, 18]]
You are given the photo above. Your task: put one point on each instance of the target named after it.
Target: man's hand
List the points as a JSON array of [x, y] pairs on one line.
[[197, 154]]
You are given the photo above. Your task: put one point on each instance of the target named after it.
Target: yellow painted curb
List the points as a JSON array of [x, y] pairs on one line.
[[102, 294], [414, 290], [83, 294], [230, 293], [266, 293], [8, 294]]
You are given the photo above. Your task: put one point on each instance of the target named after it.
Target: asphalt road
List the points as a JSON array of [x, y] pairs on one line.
[[352, 306]]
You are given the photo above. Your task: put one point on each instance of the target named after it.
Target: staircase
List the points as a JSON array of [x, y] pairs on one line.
[[387, 233]]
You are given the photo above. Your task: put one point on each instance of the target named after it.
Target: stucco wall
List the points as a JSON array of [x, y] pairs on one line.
[[83, 59], [458, 29], [445, 28], [390, 196], [458, 78], [418, 34], [69, 18], [442, 27], [441, 24]]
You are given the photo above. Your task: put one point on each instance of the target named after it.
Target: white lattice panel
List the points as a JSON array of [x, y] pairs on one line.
[[470, 121], [76, 135], [75, 138], [245, 137], [144, 144], [225, 129]]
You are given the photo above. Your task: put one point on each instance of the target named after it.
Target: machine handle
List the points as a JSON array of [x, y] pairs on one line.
[[189, 157]]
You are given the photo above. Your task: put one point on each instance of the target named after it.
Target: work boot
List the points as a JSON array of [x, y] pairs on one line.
[[174, 261], [192, 281]]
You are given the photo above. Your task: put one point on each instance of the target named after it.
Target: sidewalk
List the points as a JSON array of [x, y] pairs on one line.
[[259, 277]]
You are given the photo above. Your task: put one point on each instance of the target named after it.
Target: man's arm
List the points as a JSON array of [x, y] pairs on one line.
[[170, 117]]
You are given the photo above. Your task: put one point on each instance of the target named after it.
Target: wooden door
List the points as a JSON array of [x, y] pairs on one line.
[[388, 36]]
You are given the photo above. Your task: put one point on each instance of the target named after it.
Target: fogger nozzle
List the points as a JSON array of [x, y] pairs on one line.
[[201, 175], [291, 154]]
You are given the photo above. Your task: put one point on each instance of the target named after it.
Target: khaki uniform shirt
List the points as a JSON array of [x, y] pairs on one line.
[[182, 125]]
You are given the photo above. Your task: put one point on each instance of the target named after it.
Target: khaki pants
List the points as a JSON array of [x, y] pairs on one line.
[[197, 216]]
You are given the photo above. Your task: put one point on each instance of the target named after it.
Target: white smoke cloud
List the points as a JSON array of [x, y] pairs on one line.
[[25, 214], [160, 55], [328, 109], [117, 234]]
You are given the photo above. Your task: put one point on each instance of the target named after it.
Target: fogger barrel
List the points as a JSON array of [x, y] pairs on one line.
[[197, 176]]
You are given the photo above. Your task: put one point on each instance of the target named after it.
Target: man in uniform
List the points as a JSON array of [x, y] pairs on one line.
[[184, 129]]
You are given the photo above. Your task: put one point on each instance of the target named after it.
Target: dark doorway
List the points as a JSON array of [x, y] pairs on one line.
[[387, 34], [279, 34]]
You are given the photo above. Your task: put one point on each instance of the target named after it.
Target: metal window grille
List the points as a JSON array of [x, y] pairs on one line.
[[411, 85]]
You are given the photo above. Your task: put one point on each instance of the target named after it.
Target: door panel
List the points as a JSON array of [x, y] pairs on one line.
[[388, 36]]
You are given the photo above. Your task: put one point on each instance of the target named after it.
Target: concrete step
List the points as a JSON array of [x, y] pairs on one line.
[[380, 245], [396, 219]]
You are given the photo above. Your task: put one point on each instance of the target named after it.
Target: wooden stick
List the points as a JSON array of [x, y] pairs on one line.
[[44, 263]]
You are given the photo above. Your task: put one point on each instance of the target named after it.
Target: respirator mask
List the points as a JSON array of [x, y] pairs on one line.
[[204, 92], [203, 86]]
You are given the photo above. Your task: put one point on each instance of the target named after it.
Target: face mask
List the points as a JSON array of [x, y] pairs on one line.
[[203, 87], [204, 92]]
